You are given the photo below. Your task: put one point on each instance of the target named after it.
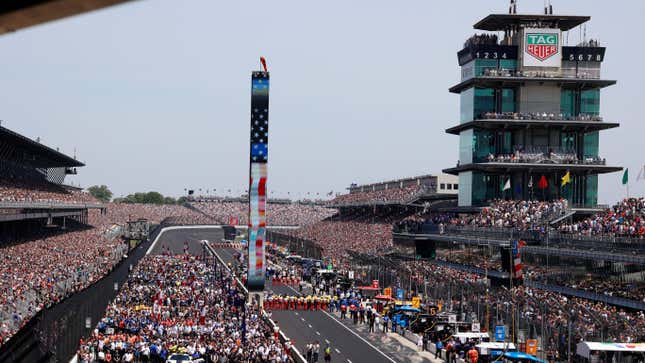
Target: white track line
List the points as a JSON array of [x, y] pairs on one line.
[[353, 332], [163, 230], [359, 337]]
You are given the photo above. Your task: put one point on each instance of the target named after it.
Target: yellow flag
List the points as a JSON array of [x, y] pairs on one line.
[[566, 179]]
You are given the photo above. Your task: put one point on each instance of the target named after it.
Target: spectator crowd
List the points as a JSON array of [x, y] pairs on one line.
[[402, 195], [18, 190], [625, 218], [47, 265], [337, 237], [177, 304], [519, 214], [467, 294], [278, 214]]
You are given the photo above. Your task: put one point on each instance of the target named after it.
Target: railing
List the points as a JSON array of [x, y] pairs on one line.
[[300, 246], [617, 301], [540, 154], [603, 237], [494, 72], [48, 205], [537, 116]]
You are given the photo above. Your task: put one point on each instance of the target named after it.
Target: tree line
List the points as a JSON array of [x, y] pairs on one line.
[[103, 193]]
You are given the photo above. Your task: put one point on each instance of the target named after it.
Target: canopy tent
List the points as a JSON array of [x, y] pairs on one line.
[[470, 335], [486, 347], [584, 349]]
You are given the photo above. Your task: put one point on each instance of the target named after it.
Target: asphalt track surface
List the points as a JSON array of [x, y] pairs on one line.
[[174, 240], [349, 343]]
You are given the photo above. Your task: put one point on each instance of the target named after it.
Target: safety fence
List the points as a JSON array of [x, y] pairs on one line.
[[296, 245], [53, 334], [556, 325]]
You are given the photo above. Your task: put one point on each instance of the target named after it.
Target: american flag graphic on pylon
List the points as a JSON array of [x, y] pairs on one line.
[[517, 260]]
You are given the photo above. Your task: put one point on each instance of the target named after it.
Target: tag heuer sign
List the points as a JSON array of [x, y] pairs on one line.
[[542, 47]]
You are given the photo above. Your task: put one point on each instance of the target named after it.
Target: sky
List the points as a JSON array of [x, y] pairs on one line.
[[155, 94]]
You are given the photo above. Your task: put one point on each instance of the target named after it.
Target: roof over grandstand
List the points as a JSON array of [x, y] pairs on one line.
[[495, 22], [416, 179], [19, 148], [20, 14]]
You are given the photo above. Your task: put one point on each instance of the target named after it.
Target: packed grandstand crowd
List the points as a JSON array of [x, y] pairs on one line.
[[338, 237], [177, 304], [468, 292], [17, 190], [625, 218], [513, 214], [401, 195], [278, 214], [44, 268]]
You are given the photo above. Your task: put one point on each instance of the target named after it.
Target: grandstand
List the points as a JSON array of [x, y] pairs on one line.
[[283, 212], [405, 191], [56, 239], [32, 183]]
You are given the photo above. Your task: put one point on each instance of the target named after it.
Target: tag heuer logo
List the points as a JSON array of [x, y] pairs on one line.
[[541, 46]]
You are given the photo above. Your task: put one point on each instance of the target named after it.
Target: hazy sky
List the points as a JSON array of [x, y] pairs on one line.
[[154, 94]]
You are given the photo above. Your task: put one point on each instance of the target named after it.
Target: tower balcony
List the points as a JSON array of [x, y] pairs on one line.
[[517, 120], [498, 78]]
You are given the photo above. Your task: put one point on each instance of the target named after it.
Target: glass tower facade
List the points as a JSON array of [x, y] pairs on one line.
[[525, 126]]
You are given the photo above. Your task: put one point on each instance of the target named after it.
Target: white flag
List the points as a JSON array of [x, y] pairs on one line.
[[641, 174], [507, 186]]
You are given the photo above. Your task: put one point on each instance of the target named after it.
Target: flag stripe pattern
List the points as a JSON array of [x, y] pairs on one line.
[[259, 157], [517, 261]]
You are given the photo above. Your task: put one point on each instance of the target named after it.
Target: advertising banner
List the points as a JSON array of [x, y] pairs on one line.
[[542, 48]]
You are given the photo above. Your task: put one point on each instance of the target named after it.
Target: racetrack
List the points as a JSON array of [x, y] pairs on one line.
[[349, 343]]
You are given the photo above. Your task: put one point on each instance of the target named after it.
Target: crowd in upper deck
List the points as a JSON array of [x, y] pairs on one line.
[[386, 195], [30, 190]]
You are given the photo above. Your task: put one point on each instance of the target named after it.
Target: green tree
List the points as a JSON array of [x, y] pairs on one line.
[[146, 198], [154, 198], [101, 193]]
